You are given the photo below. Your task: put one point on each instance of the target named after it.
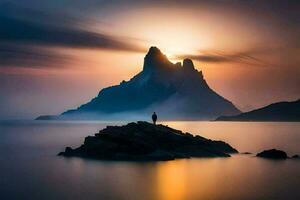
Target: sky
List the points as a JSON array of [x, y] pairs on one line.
[[56, 55]]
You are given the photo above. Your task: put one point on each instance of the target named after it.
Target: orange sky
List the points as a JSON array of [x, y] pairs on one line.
[[247, 54]]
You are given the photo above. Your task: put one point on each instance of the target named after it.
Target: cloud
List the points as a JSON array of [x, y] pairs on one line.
[[19, 31], [28, 37], [31, 57], [245, 57]]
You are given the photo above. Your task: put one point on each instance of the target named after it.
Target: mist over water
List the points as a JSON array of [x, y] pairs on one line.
[[30, 169]]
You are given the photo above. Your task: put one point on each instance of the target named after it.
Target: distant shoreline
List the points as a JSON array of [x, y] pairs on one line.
[[3, 121]]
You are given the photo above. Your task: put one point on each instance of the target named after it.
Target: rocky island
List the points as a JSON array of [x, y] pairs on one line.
[[276, 154], [143, 141], [272, 154]]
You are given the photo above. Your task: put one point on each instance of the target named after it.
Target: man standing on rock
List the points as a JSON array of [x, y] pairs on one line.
[[154, 118]]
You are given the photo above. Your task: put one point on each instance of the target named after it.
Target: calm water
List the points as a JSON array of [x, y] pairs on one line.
[[30, 169]]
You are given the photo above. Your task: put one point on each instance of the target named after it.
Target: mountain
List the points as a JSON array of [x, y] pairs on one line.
[[282, 111], [174, 91]]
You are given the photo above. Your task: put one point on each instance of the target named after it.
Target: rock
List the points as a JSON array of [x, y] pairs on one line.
[[175, 91], [295, 156], [46, 117], [246, 153], [178, 64], [68, 151], [188, 65], [145, 141], [155, 60], [272, 154]]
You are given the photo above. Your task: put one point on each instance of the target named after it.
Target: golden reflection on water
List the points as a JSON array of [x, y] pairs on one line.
[[176, 179], [206, 179], [172, 180], [239, 177], [213, 179]]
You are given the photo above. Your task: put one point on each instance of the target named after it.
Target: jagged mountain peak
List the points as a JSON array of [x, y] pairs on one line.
[[154, 51], [155, 60], [188, 64], [176, 91]]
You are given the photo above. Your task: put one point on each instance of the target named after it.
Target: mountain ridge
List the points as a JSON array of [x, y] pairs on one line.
[[279, 111], [175, 91]]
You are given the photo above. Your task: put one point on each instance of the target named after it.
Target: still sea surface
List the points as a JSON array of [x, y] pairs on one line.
[[30, 169]]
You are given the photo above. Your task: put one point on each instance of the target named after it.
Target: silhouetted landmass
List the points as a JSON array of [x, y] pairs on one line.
[[174, 91], [272, 154], [246, 153], [295, 156], [46, 117], [145, 141], [282, 111]]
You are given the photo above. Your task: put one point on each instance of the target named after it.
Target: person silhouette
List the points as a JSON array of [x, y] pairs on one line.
[[154, 118]]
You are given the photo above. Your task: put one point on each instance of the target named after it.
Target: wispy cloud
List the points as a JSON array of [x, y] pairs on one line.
[[15, 30], [25, 36], [245, 57], [31, 56]]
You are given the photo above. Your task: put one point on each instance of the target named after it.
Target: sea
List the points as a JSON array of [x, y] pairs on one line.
[[30, 168]]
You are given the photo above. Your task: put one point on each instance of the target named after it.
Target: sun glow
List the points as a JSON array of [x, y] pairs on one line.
[[174, 43], [173, 35]]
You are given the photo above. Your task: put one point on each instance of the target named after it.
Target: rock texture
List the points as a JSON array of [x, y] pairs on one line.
[[145, 141], [272, 154]]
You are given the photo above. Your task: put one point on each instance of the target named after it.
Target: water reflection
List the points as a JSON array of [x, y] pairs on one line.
[[172, 180], [248, 136], [30, 168]]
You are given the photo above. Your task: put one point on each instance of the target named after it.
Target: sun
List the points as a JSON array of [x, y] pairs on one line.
[[174, 44], [173, 51], [172, 57]]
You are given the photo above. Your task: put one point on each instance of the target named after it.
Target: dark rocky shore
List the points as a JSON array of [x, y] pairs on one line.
[[144, 141], [275, 154]]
